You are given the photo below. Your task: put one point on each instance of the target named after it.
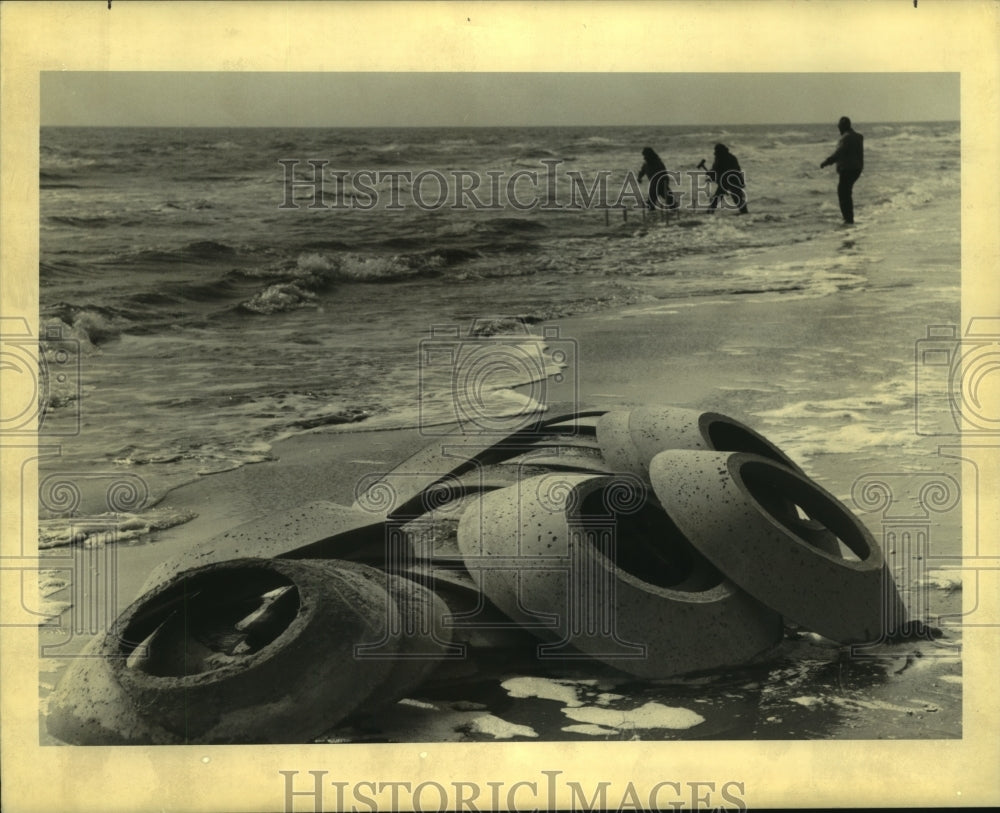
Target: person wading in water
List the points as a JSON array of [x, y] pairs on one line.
[[659, 182], [727, 174], [850, 160]]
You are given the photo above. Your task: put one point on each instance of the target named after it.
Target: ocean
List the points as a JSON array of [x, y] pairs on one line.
[[205, 292]]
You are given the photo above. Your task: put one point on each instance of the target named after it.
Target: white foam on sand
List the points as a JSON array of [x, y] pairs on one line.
[[499, 729], [878, 705], [108, 527], [564, 690], [51, 582], [942, 580], [650, 715], [417, 704], [48, 611], [859, 703], [854, 424], [543, 688]]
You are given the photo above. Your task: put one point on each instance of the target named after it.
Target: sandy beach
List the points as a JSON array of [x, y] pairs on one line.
[[724, 355]]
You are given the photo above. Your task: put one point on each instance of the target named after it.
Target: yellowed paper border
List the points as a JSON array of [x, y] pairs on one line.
[[890, 35]]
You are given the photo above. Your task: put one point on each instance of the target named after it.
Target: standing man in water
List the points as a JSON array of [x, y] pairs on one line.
[[850, 160]]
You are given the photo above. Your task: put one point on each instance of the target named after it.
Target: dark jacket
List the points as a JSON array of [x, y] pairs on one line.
[[726, 170], [850, 153], [652, 167]]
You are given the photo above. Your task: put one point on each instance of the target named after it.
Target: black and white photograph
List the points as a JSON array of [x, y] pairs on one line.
[[425, 406]]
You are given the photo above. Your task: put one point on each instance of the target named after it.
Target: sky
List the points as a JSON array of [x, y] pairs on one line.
[[344, 99]]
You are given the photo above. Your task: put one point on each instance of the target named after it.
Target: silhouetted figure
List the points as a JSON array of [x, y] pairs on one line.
[[659, 182], [727, 174], [850, 160]]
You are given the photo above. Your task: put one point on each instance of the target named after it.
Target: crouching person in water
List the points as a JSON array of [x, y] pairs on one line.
[[727, 174], [659, 182]]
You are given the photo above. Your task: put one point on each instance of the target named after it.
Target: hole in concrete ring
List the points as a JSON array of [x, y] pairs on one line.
[[648, 545], [793, 501], [209, 620], [729, 436]]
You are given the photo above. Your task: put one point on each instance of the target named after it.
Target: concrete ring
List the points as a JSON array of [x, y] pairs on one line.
[[625, 588], [89, 707], [416, 644], [724, 502], [630, 439], [199, 660], [472, 619]]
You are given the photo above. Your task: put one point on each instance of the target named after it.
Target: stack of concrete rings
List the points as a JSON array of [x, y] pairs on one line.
[[761, 543]]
